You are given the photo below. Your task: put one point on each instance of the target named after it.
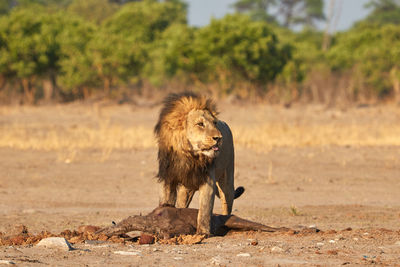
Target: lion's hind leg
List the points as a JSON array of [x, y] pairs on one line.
[[226, 192]]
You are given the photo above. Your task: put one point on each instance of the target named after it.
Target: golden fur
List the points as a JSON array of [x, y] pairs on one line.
[[195, 153]]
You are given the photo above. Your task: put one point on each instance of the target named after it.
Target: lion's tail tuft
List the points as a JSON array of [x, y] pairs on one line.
[[239, 191]]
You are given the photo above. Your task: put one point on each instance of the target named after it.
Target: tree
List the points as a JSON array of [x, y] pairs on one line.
[[368, 51], [173, 55], [240, 48], [258, 10], [30, 49], [146, 20], [383, 12], [76, 74], [5, 6], [93, 10]]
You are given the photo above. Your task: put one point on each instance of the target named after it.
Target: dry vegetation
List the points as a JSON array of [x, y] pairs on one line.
[[75, 127]]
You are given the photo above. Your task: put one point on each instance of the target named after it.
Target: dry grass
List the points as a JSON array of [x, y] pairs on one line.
[[98, 132]]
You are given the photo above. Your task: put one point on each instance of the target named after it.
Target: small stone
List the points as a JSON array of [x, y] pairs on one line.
[[355, 239], [218, 260], [320, 244], [276, 249], [7, 262], [146, 239], [128, 253], [312, 226], [332, 241], [55, 242], [178, 258], [397, 243], [243, 255]]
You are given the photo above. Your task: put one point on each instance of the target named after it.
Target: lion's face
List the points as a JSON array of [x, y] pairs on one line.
[[202, 133]]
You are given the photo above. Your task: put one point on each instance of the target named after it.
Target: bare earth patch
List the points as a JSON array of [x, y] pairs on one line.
[[63, 167]]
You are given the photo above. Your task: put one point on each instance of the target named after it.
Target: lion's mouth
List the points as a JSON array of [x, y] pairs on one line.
[[213, 148]]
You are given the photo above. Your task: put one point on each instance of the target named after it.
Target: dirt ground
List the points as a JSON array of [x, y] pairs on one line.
[[350, 192]]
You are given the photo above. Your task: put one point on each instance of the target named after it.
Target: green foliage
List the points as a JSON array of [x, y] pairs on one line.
[[291, 12], [306, 53], [146, 20], [371, 50], [258, 10], [172, 55], [93, 10], [5, 6], [30, 48], [76, 66], [242, 48], [384, 12]]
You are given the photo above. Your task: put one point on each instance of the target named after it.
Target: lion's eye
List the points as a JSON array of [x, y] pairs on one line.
[[200, 124]]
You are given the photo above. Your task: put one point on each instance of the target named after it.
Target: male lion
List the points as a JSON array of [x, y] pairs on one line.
[[195, 152]]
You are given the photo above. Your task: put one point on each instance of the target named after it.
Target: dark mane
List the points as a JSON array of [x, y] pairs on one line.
[[177, 165]]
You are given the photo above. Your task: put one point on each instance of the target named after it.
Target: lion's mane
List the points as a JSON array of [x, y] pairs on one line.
[[177, 163]]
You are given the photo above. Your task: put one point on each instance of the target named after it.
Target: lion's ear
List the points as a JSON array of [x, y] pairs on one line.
[[212, 107]]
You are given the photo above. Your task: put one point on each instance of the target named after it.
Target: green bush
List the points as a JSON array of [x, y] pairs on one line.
[[244, 49], [371, 50]]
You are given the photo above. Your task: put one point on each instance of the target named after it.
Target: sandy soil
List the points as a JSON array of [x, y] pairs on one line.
[[351, 193]]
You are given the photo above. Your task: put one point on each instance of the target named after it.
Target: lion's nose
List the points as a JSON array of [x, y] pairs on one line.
[[217, 138]]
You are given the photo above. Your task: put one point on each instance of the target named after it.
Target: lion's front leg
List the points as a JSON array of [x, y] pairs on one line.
[[184, 197], [167, 194], [206, 195]]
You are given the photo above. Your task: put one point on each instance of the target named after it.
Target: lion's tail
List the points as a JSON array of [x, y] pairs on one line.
[[239, 191]]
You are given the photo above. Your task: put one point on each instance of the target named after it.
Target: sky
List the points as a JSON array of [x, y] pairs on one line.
[[201, 11]]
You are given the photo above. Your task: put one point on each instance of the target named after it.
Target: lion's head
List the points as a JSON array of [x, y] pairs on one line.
[[187, 136]]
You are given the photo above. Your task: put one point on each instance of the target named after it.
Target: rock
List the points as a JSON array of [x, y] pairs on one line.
[[7, 262], [128, 253], [55, 242], [243, 255], [276, 249], [320, 244], [332, 241], [146, 239], [397, 243], [218, 260], [178, 258]]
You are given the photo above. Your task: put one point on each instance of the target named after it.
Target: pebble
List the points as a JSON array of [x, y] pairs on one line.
[[243, 255], [7, 262], [276, 249], [397, 243], [218, 260], [128, 253], [320, 244], [55, 242], [178, 258], [332, 241]]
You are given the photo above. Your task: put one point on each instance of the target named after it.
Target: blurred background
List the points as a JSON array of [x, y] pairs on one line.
[[277, 51]]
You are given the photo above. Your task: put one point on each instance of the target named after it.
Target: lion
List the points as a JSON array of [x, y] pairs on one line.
[[195, 152]]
